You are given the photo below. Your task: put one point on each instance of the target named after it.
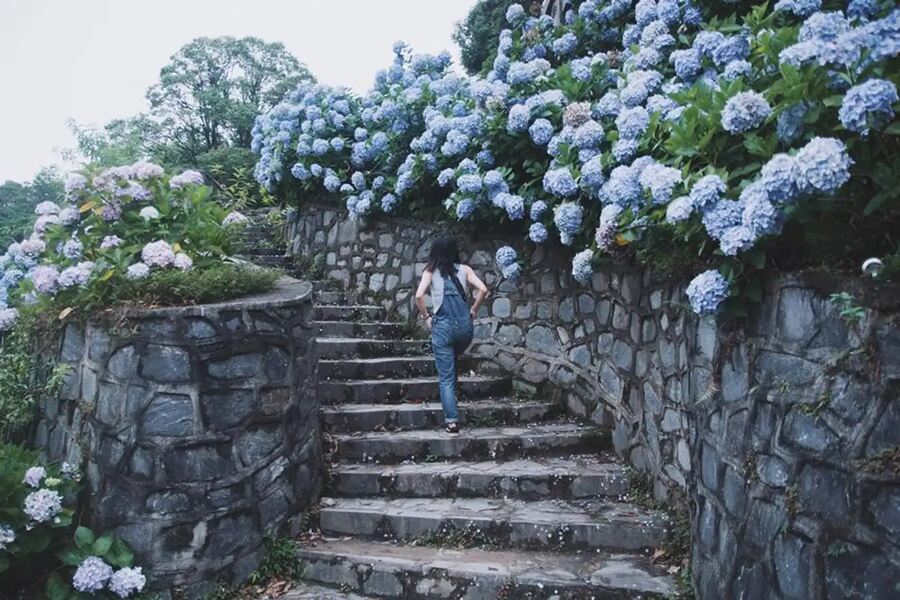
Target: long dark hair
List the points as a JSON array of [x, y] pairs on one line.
[[444, 254]]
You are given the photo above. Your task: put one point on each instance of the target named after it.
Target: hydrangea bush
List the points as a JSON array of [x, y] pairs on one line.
[[39, 542], [115, 226], [721, 125]]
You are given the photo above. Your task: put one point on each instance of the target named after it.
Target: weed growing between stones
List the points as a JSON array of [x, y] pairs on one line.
[[311, 268], [887, 461], [276, 573], [447, 536], [675, 550], [851, 312]]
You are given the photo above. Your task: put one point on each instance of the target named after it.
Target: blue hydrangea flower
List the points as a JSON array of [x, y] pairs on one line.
[[469, 184], [745, 111], [736, 69], [645, 12], [789, 125], [515, 15], [538, 208], [515, 207], [565, 45], [608, 106], [660, 181], [588, 135], [332, 183], [592, 177], [707, 291], [519, 117], [736, 239], [465, 208], [511, 272], [824, 26], [760, 215], [624, 150], [721, 217], [358, 180], [560, 182], [824, 165], [799, 8], [632, 122], [388, 203], [735, 47], [706, 42], [862, 9], [567, 217], [506, 256], [541, 131], [780, 178], [446, 177], [647, 58], [679, 209], [622, 188], [868, 104], [537, 233], [686, 63], [582, 271]]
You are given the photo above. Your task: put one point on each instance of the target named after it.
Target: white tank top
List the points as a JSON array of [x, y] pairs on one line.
[[437, 287]]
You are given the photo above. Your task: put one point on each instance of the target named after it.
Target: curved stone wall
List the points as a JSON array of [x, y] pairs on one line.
[[200, 428], [784, 433]]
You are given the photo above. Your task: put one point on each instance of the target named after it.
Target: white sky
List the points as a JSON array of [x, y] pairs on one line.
[[92, 60]]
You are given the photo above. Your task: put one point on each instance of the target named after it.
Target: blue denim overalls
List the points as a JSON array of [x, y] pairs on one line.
[[451, 334]]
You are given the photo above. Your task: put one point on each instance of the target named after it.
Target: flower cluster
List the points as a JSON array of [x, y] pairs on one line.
[[107, 231], [626, 116]]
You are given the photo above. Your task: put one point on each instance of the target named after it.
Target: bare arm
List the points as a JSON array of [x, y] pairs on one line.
[[424, 284], [481, 290]]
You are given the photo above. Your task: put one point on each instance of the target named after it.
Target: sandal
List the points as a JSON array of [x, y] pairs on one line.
[[452, 428]]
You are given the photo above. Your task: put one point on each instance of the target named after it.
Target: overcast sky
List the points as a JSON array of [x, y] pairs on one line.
[[92, 60]]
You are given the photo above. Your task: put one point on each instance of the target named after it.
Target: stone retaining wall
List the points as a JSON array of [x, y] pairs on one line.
[[765, 428], [200, 428]]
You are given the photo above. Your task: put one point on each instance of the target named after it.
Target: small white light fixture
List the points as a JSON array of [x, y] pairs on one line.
[[872, 267]]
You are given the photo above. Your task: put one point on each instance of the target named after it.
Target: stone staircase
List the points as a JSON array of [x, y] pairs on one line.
[[524, 503]]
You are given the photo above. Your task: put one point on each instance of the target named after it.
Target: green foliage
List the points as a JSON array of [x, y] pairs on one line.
[[850, 311], [17, 202], [231, 171], [476, 35], [47, 553], [212, 284], [212, 89], [280, 561], [119, 142], [27, 376]]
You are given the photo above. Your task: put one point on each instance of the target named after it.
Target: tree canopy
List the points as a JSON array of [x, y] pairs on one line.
[[211, 90], [477, 34], [17, 202]]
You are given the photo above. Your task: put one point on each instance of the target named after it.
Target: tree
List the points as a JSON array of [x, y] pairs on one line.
[[212, 89], [119, 142], [17, 202], [477, 34]]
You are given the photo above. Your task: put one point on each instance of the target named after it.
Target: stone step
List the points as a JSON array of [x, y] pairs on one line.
[[545, 524], [264, 250], [273, 261], [385, 367], [397, 391], [308, 591], [536, 479], [359, 312], [330, 297], [372, 417], [387, 570], [490, 443], [350, 347]]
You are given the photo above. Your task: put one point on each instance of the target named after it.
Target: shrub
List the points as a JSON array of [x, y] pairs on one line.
[[743, 129], [213, 284], [41, 546], [117, 227]]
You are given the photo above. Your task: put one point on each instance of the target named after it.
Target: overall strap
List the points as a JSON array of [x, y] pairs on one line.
[[459, 287]]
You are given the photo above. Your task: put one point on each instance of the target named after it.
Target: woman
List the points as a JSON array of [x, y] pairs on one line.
[[451, 322]]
